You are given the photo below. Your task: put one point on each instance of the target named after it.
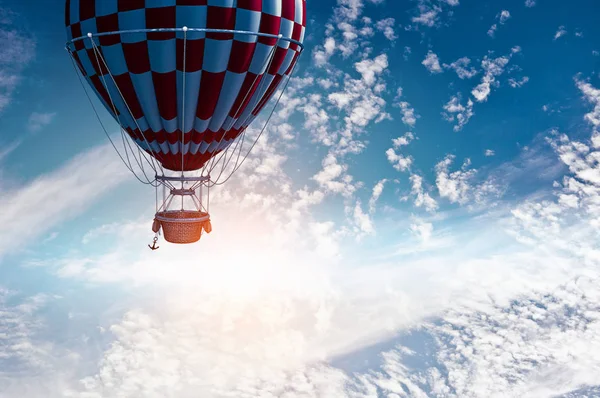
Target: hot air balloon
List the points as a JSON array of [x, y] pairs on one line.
[[184, 79]]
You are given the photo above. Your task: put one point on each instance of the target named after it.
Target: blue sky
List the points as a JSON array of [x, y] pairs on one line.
[[421, 219]]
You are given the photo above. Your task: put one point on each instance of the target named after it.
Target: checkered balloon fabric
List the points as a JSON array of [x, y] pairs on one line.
[[173, 89]]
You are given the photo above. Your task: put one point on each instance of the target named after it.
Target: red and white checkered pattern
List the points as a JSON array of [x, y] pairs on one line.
[[228, 79]]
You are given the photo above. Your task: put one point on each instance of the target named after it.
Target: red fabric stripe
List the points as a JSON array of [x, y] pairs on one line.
[[175, 137], [135, 134], [87, 9], [161, 17], [136, 57], [247, 90], [126, 86], [254, 5], [165, 87], [96, 58], [97, 83], [241, 56], [108, 23], [76, 32], [128, 5], [278, 59], [268, 94], [194, 55], [296, 33], [68, 13], [303, 12], [79, 64], [233, 133], [269, 24], [292, 64], [191, 2], [191, 162], [288, 9], [210, 136], [210, 90], [220, 18]]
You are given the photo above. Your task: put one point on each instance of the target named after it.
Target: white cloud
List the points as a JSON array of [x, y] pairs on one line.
[[422, 230], [592, 95], [530, 3], [377, 191], [493, 68], [333, 177], [427, 17], [462, 69], [514, 83], [38, 121], [560, 32], [502, 17], [18, 49], [422, 198], [454, 110], [409, 117], [370, 68], [454, 186], [362, 221], [399, 161], [58, 196], [432, 63], [386, 26], [8, 149], [490, 152]]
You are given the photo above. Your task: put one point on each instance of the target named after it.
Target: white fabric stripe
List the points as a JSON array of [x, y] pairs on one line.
[[192, 87], [216, 55], [286, 28], [298, 15], [287, 61], [203, 147], [272, 7], [249, 21], [229, 91], [260, 59], [189, 148], [200, 124], [144, 88], [258, 95]]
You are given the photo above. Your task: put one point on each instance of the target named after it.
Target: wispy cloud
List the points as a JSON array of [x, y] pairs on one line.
[[57, 196], [7, 149], [432, 63], [18, 49], [560, 32], [37, 121]]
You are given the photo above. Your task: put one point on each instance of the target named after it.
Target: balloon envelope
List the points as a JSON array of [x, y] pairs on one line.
[[208, 86]]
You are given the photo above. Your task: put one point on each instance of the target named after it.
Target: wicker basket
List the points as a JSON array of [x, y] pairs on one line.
[[183, 226]]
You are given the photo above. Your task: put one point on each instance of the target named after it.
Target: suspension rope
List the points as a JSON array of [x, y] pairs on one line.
[[237, 167], [124, 140], [183, 110], [148, 181], [214, 161], [96, 113], [151, 162]]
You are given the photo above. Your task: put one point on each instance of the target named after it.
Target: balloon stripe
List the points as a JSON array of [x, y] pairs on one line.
[[229, 77]]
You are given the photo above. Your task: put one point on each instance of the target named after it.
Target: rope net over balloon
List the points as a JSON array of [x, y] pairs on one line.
[[183, 161]]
